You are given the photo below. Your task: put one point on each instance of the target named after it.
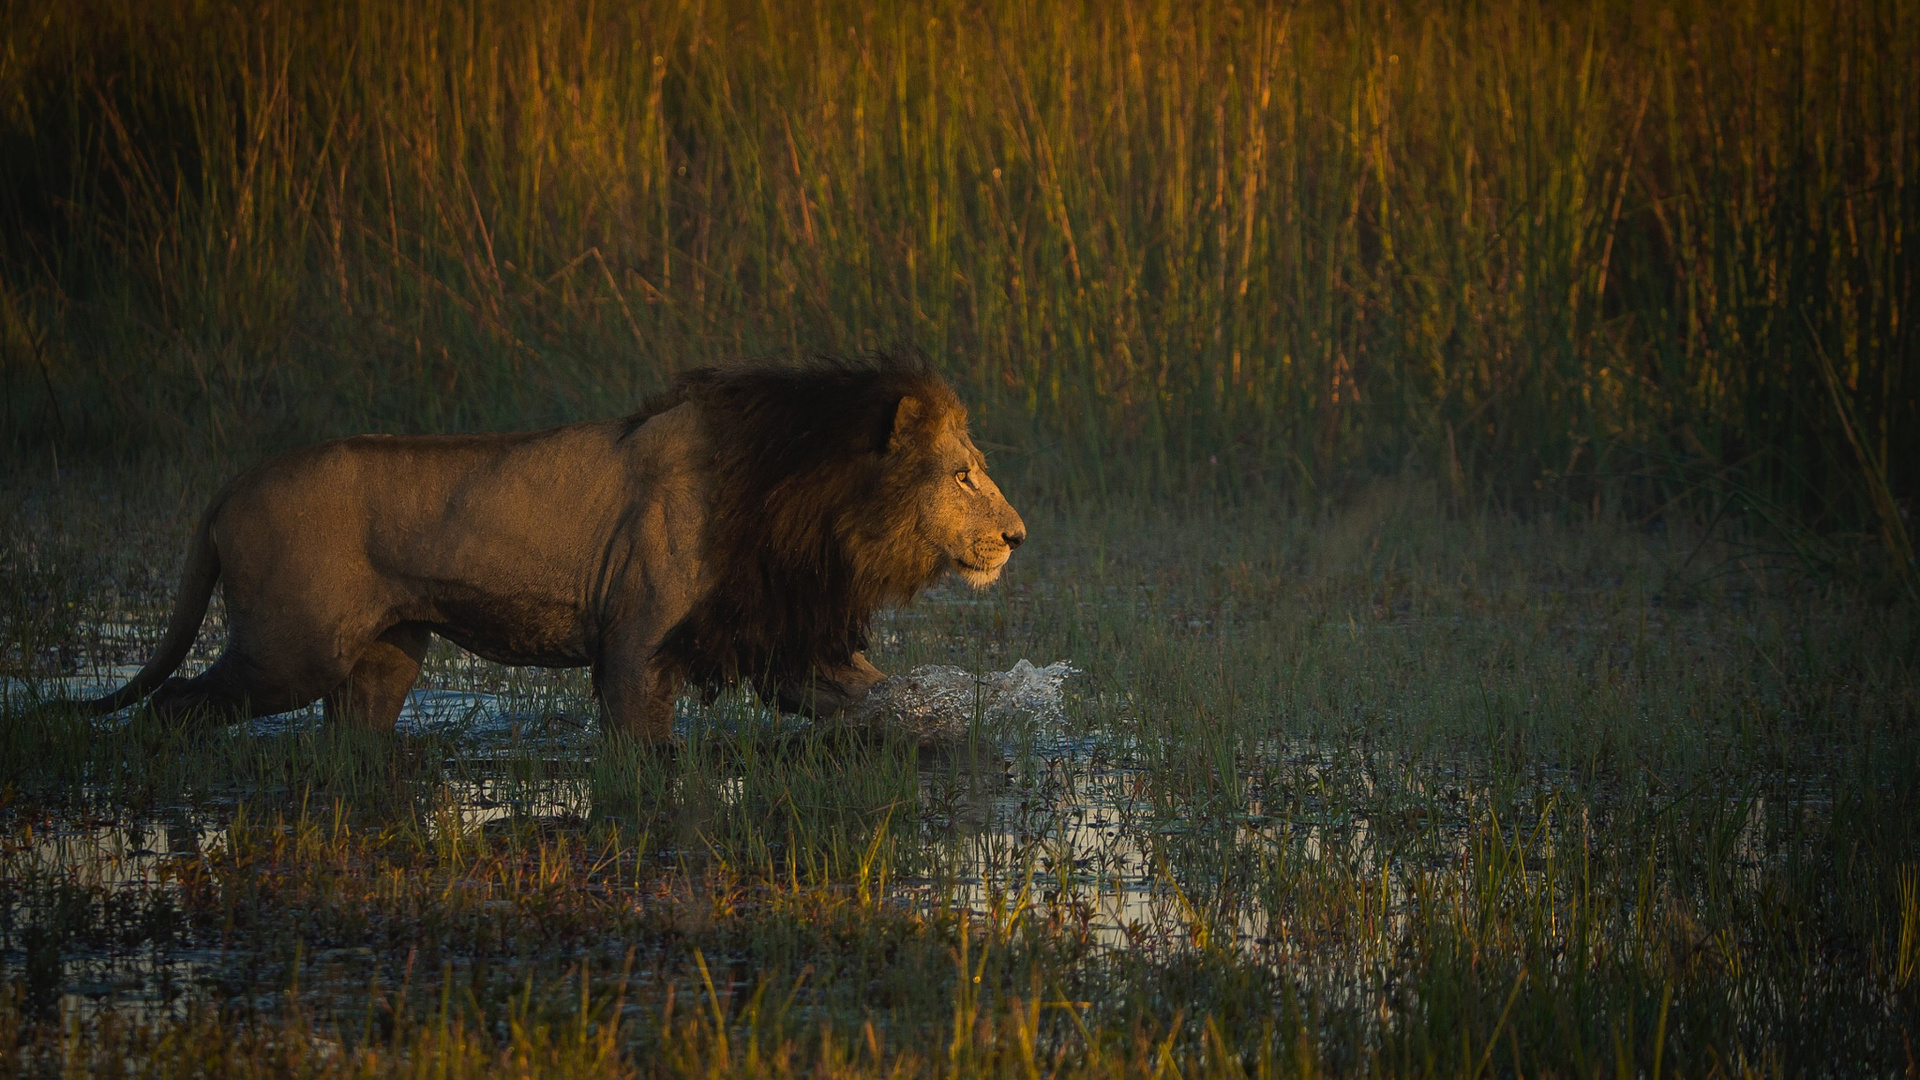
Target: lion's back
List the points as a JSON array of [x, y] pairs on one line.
[[418, 521]]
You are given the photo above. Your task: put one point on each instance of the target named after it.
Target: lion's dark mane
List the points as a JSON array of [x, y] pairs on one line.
[[810, 530]]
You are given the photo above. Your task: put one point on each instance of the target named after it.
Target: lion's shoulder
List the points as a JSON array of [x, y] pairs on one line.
[[798, 470]]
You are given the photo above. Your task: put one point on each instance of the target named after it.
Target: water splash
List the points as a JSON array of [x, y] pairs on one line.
[[939, 703]]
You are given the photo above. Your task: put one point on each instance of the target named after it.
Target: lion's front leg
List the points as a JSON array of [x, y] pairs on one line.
[[833, 690], [636, 694], [857, 677]]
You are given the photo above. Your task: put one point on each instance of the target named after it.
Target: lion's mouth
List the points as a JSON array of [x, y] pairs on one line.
[[980, 576]]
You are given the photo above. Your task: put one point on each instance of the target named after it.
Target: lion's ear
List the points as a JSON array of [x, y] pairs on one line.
[[907, 417]]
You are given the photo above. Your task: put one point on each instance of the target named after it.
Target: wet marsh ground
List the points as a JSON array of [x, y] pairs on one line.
[[1388, 787]]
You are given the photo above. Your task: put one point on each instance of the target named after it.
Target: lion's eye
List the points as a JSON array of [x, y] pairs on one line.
[[965, 477]]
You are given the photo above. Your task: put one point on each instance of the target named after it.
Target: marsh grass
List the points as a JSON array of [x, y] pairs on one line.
[[1467, 451], [1561, 256], [1382, 790]]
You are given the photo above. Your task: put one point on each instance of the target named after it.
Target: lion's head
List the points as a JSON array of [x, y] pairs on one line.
[[959, 514], [839, 487]]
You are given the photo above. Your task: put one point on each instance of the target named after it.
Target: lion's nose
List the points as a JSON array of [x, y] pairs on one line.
[[1014, 539]]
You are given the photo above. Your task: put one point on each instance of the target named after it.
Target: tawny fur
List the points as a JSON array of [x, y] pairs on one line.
[[745, 525]]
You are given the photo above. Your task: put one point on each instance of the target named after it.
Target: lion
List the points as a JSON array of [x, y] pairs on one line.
[[745, 525]]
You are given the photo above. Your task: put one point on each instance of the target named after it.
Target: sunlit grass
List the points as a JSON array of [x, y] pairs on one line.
[[1555, 255]]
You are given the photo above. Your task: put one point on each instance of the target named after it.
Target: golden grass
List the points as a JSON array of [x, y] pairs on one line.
[[1580, 253]]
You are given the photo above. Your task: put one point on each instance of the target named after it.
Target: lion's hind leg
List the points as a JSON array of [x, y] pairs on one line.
[[234, 688], [372, 695]]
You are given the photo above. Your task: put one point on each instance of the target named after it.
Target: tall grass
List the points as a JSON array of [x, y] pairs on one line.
[[1542, 251]]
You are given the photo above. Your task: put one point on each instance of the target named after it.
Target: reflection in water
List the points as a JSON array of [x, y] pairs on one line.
[[133, 866], [1081, 838], [1133, 851], [1092, 845], [489, 799]]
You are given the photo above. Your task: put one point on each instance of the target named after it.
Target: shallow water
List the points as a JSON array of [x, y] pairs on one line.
[[1039, 820], [131, 864], [128, 859], [471, 714]]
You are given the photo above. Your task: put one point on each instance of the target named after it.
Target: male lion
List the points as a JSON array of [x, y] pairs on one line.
[[747, 523]]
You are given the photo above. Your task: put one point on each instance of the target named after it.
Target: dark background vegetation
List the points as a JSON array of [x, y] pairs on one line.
[[1608, 254]]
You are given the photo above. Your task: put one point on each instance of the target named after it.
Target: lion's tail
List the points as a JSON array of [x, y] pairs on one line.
[[189, 608]]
